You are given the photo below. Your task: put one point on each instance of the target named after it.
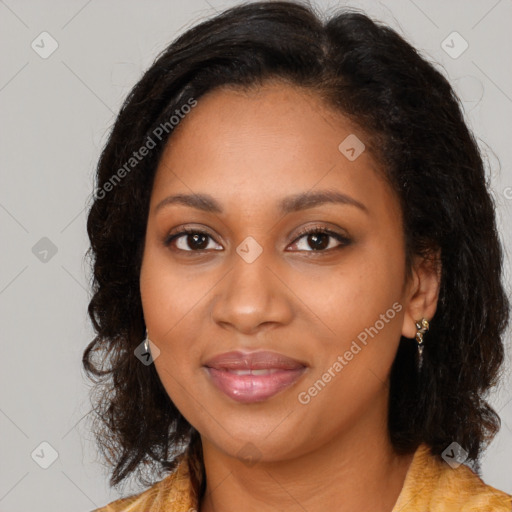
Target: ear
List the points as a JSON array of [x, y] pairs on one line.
[[422, 292]]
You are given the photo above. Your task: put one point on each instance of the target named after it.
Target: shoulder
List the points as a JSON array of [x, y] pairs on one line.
[[462, 488], [143, 501], [432, 484], [176, 492]]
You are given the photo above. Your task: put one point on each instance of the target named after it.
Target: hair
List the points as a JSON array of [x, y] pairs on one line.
[[413, 124]]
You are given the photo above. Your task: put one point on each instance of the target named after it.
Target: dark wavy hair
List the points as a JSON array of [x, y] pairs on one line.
[[414, 126]]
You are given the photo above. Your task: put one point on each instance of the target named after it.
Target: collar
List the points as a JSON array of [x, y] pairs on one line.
[[430, 485]]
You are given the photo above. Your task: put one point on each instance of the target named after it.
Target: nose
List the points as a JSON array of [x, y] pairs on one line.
[[252, 297]]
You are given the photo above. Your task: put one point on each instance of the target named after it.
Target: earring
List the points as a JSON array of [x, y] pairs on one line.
[[146, 343], [422, 326]]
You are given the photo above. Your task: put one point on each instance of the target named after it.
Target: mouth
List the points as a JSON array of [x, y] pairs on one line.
[[253, 371], [253, 377]]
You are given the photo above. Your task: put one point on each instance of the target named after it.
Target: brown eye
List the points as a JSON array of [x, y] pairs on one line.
[[197, 241], [189, 240], [321, 240]]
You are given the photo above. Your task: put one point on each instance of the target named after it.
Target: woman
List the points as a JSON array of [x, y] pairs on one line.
[[297, 297]]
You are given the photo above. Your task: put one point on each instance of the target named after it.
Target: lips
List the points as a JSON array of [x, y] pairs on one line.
[[253, 376], [263, 360]]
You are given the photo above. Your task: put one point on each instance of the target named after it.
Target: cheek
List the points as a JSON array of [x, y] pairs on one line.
[[363, 308], [170, 301], [355, 295], [168, 294]]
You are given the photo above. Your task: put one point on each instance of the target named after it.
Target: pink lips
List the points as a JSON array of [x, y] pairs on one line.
[[253, 376]]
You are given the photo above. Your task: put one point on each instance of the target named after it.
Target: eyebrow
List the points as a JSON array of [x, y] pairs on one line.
[[289, 204]]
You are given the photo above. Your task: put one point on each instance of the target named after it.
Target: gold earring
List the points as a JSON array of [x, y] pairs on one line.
[[422, 326]]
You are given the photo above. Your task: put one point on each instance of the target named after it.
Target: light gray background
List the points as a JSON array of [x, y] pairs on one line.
[[56, 113]]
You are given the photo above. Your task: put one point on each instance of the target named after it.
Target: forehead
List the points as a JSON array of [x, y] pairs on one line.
[[273, 116], [265, 142]]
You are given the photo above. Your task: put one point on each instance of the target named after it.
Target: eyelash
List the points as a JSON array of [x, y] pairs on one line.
[[344, 241]]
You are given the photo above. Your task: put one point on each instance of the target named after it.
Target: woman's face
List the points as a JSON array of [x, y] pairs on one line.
[[246, 279]]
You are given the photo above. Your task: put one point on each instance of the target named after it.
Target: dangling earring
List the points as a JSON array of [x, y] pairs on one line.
[[146, 343], [422, 326], [147, 351]]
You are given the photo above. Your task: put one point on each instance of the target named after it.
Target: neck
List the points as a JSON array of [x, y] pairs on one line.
[[355, 471]]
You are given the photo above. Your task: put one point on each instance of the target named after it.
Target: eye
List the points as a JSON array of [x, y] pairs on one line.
[[319, 239], [322, 239], [194, 239]]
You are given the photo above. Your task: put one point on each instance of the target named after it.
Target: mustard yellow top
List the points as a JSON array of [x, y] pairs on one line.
[[430, 485]]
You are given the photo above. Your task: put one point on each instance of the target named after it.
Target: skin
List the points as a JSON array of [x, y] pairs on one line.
[[249, 150]]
